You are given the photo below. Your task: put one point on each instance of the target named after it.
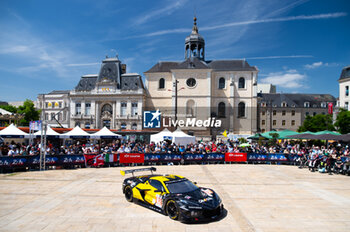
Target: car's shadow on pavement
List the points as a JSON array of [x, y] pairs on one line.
[[222, 216]]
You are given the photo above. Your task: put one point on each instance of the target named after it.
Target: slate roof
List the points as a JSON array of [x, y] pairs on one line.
[[296, 99], [86, 83], [131, 81], [345, 73], [196, 63]]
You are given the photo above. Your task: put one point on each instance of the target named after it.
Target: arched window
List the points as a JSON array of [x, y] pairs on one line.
[[241, 109], [161, 83], [284, 104], [134, 126], [87, 125], [221, 83], [241, 83], [107, 108], [190, 108], [306, 104], [221, 110]]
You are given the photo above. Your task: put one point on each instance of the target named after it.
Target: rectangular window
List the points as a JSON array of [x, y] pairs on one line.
[[263, 112], [274, 122], [123, 109], [52, 104], [346, 105], [314, 114], [60, 104], [78, 108], [283, 113], [293, 123], [134, 108], [46, 116], [307, 113], [274, 112], [263, 122], [293, 112], [87, 108], [46, 105], [346, 90], [283, 122], [53, 116]]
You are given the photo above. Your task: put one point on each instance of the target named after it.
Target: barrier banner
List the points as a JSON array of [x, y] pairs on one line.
[[150, 157], [11, 162], [193, 157], [256, 157], [171, 158], [235, 157], [131, 158], [277, 158], [89, 159], [50, 160], [215, 157]]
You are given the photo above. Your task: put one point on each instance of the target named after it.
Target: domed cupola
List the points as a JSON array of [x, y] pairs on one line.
[[194, 43]]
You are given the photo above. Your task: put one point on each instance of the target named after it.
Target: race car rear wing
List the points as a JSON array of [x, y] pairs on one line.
[[137, 170]]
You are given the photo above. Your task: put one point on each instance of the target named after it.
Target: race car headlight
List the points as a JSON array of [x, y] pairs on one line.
[[218, 198], [196, 213]]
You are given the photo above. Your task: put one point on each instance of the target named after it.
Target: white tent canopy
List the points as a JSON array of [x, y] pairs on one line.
[[49, 132], [181, 138], [12, 132], [161, 136], [105, 133], [76, 133]]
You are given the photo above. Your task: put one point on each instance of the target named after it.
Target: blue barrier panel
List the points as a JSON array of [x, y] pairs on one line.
[[256, 157], [277, 157], [171, 157], [193, 157], [214, 157], [150, 157], [51, 160]]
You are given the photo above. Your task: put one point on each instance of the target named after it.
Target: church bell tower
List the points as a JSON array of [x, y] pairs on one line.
[[194, 43]]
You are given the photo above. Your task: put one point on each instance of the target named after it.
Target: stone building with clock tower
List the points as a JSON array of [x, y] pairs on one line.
[[200, 88]]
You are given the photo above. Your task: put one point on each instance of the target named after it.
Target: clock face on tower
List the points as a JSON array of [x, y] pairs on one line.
[[191, 82]]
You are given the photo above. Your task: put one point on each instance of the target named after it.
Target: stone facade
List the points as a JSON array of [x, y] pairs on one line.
[[281, 111], [224, 89], [112, 98], [344, 85]]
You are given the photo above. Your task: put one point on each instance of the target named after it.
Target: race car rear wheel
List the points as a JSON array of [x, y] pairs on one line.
[[128, 193], [172, 210]]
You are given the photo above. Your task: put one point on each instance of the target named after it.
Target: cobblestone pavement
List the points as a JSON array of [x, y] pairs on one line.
[[257, 198]]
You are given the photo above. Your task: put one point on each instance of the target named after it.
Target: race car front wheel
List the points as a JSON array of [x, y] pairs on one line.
[[128, 193], [172, 209]]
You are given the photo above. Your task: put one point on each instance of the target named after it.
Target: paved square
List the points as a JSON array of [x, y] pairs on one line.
[[257, 198]]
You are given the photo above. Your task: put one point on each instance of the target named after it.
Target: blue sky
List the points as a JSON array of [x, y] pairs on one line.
[[299, 45]]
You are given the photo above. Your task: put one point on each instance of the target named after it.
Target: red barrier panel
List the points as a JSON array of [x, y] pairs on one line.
[[235, 157], [131, 158]]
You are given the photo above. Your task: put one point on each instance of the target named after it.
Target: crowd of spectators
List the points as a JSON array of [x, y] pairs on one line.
[[327, 158]]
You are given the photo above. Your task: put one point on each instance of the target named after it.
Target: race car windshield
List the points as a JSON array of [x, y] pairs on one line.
[[181, 187]]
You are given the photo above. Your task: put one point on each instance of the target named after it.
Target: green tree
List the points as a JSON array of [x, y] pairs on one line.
[[343, 121], [29, 112], [316, 123], [9, 108]]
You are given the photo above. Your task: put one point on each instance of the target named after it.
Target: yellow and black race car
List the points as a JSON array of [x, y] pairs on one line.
[[172, 195]]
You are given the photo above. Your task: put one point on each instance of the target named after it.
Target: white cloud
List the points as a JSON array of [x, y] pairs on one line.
[[249, 22], [289, 79], [320, 64], [159, 12]]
